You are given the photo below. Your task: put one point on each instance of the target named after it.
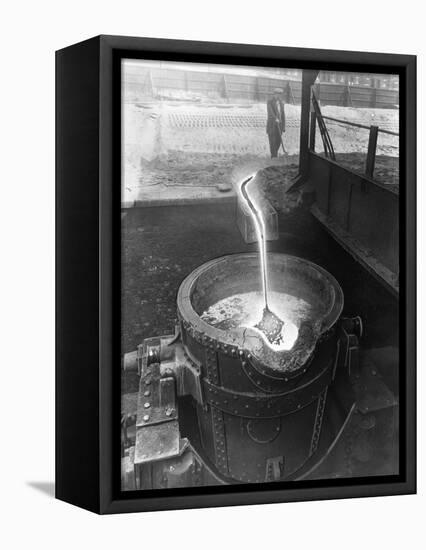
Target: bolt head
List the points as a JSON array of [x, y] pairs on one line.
[[147, 405]]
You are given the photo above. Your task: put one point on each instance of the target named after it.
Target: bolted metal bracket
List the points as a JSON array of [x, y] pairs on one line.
[[166, 372], [351, 333], [157, 426], [275, 468]]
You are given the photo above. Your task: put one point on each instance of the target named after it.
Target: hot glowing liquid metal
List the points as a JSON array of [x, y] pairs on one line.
[[247, 310], [270, 325]]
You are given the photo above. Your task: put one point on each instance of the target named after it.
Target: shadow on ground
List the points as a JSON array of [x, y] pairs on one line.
[[46, 487]]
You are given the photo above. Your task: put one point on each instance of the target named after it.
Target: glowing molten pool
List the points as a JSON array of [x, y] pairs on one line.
[[221, 302], [246, 310]]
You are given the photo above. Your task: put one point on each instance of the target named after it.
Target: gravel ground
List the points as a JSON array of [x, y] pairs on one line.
[[189, 145], [202, 170], [210, 170]]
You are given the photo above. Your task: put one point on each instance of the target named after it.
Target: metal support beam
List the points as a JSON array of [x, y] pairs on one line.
[[313, 131], [371, 152], [308, 79]]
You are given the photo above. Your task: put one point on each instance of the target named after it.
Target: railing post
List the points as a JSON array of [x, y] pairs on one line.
[[371, 152], [308, 79]]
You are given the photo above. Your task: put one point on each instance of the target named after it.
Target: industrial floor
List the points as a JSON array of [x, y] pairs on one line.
[[163, 244]]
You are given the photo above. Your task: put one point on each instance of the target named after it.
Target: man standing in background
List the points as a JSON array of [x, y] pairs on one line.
[[275, 125]]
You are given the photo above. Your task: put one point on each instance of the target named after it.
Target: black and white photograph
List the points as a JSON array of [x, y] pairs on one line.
[[211, 279], [260, 274]]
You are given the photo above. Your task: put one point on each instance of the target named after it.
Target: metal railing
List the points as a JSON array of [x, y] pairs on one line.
[[340, 121], [374, 131]]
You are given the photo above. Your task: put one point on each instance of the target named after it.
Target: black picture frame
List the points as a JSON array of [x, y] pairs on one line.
[[88, 273]]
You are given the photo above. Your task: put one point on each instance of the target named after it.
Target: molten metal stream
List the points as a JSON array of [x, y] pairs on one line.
[[260, 230], [270, 325]]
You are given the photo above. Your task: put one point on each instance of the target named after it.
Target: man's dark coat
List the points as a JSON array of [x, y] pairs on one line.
[[273, 114]]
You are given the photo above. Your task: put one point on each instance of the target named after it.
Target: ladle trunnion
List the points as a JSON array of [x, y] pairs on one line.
[[221, 406]]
